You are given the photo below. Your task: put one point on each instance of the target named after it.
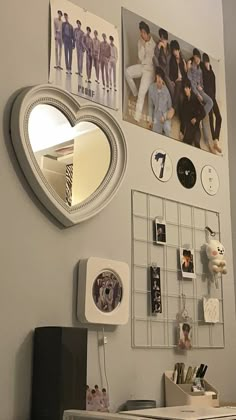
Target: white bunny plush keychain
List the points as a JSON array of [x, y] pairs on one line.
[[215, 252]]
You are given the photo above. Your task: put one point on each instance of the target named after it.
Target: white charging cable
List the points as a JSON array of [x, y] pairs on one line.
[[104, 360]]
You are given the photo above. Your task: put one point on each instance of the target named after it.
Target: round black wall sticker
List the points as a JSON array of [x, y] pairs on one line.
[[186, 172]]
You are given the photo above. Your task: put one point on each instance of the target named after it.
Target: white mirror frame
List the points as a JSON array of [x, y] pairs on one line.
[[69, 106]]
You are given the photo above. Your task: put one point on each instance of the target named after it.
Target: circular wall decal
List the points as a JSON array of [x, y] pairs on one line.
[[186, 172], [107, 291], [161, 165], [210, 180]]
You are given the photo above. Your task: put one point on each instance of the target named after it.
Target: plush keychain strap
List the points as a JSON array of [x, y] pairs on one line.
[[209, 233]]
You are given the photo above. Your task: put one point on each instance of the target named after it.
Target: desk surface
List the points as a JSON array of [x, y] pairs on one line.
[[184, 413]]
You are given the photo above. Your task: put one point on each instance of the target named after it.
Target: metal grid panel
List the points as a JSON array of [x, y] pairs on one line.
[[185, 227]]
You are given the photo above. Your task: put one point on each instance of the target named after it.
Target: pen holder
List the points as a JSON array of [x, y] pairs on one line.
[[182, 394]]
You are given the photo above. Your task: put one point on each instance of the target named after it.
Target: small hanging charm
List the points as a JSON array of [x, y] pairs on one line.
[[184, 327], [215, 252]]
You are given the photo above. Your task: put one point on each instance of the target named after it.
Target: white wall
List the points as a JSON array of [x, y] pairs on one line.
[[229, 10], [55, 173], [91, 161], [39, 258]]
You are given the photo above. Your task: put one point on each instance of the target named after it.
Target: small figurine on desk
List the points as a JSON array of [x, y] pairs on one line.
[[105, 399], [97, 400], [88, 398], [98, 392], [95, 404]]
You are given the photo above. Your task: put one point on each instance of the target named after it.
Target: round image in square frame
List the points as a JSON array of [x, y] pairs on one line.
[[107, 291]]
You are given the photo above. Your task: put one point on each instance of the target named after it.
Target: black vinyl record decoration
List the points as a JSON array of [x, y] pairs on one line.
[[186, 172]]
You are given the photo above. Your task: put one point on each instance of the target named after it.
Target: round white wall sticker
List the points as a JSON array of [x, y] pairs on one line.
[[210, 180], [161, 165]]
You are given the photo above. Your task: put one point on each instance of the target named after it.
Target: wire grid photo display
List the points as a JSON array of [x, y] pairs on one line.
[[184, 228]]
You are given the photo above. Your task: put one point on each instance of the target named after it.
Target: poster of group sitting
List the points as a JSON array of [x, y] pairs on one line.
[[169, 85]]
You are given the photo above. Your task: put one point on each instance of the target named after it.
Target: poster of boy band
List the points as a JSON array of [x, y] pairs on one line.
[[84, 54], [170, 86]]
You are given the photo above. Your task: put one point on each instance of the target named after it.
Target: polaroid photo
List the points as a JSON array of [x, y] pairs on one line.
[[185, 336], [187, 263], [159, 231]]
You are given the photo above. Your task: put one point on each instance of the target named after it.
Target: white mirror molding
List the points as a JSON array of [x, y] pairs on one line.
[[48, 94]]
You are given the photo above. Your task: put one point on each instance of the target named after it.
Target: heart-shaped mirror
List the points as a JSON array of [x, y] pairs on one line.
[[73, 157]]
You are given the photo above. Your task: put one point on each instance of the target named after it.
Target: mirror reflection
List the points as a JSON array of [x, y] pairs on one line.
[[74, 160]]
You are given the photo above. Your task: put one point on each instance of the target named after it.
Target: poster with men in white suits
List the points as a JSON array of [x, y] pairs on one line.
[[84, 56]]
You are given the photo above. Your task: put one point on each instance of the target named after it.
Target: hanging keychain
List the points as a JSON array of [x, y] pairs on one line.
[[215, 252], [184, 327]]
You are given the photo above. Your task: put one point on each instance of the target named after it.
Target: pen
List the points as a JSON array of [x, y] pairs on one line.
[[204, 371], [194, 374], [198, 375]]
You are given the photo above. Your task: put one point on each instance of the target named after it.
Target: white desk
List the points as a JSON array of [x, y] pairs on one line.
[[184, 413]]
